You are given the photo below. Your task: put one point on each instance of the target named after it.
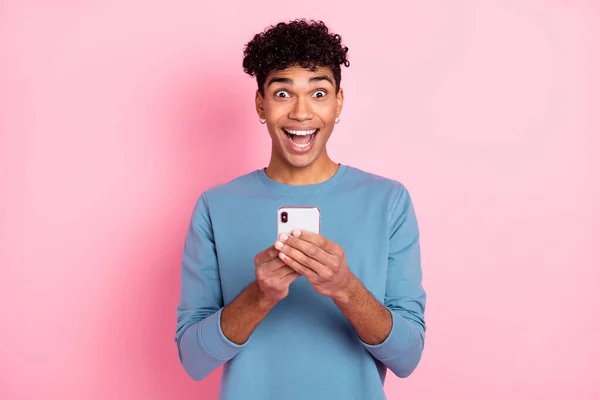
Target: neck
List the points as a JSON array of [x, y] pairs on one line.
[[317, 172]]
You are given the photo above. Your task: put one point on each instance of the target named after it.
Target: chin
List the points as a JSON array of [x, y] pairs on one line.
[[302, 161], [299, 165]]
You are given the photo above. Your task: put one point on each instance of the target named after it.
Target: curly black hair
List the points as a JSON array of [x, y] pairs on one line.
[[307, 44]]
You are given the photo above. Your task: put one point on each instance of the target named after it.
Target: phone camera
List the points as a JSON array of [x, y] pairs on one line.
[[284, 217]]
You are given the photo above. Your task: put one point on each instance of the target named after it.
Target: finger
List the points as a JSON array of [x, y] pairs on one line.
[[311, 250], [272, 266], [289, 278], [296, 266], [318, 240], [266, 255], [303, 259], [282, 272]]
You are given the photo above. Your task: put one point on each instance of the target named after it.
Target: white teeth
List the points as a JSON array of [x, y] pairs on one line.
[[301, 133], [302, 146]]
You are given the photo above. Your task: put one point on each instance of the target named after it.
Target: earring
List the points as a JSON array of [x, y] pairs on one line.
[[263, 121], [337, 120]]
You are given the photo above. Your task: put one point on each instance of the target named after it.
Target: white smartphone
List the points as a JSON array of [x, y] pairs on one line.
[[298, 217]]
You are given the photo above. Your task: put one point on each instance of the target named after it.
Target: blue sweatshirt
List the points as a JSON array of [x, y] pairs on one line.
[[305, 348]]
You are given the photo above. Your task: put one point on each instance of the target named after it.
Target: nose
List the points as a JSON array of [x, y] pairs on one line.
[[301, 110]]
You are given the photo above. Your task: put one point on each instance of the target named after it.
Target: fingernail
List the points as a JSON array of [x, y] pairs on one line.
[[278, 244], [283, 237], [297, 232], [282, 256]]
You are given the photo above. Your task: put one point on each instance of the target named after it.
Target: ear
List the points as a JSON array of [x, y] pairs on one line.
[[340, 102], [260, 110]]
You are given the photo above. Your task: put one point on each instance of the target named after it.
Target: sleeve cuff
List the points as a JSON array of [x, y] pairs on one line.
[[396, 342], [213, 340]]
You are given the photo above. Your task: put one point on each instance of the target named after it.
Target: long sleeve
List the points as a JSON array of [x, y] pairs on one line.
[[404, 295], [200, 341]]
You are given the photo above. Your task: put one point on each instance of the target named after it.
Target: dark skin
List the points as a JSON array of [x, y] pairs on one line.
[[300, 98], [300, 102]]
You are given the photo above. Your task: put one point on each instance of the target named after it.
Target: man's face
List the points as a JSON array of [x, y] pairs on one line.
[[300, 107]]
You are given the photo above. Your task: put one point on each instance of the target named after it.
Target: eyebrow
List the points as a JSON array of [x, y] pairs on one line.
[[288, 81]]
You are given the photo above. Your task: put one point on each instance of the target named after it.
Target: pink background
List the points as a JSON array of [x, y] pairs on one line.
[[114, 116]]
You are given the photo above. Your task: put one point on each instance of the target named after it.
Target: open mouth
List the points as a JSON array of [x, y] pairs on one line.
[[301, 139]]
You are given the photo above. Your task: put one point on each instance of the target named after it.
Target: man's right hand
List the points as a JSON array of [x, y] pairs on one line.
[[272, 275], [273, 278]]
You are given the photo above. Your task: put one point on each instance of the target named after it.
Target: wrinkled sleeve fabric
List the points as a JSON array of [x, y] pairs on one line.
[[405, 297], [201, 344]]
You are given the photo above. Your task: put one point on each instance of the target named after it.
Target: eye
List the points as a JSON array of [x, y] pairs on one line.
[[319, 93], [282, 93]]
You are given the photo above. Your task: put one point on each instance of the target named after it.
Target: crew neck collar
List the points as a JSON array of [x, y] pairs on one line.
[[288, 188]]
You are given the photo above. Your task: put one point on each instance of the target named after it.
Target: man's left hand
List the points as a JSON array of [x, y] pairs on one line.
[[322, 262]]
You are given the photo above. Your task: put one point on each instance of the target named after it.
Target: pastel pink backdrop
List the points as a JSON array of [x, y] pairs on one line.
[[116, 115]]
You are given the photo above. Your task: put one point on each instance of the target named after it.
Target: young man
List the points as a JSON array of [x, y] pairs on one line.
[[301, 316]]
